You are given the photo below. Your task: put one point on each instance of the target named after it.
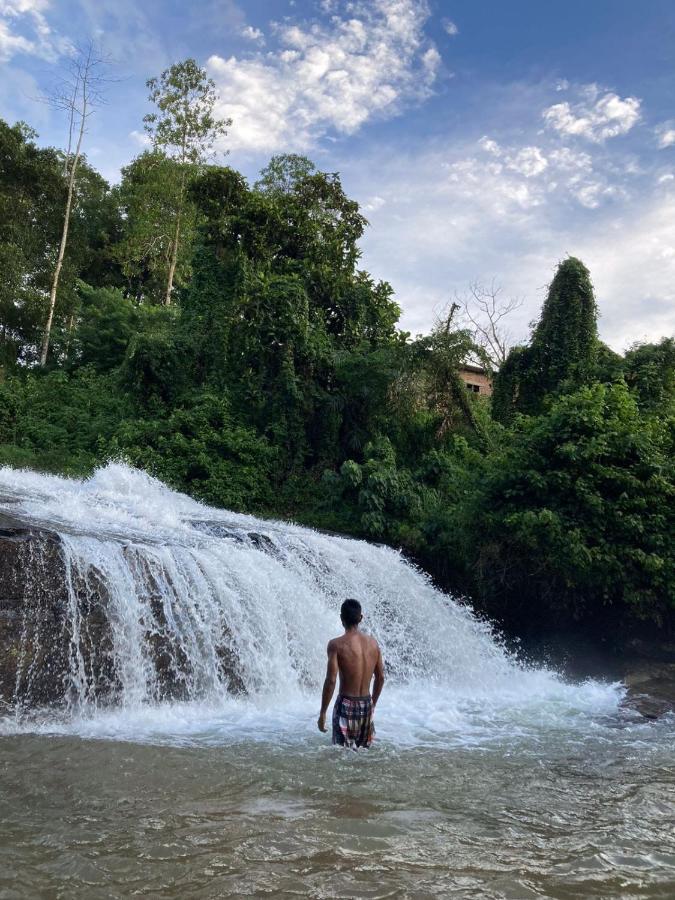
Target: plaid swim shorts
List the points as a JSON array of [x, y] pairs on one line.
[[353, 721]]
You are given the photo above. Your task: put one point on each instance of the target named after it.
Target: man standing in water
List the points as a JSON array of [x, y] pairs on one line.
[[358, 659]]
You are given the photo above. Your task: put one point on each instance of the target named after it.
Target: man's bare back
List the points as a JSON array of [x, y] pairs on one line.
[[357, 658]]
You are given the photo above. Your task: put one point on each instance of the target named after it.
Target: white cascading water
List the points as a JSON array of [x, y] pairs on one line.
[[217, 623]]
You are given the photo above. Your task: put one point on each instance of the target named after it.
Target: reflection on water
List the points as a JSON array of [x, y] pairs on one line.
[[564, 812]]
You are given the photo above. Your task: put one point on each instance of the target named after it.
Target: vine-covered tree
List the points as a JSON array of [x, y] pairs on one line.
[[563, 350], [649, 370]]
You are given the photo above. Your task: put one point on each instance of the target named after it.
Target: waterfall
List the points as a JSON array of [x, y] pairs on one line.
[[161, 599]]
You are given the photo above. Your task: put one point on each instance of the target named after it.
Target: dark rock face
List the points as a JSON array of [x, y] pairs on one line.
[[56, 639], [33, 632], [651, 688]]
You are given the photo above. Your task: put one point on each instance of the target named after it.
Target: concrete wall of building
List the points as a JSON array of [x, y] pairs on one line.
[[476, 380]]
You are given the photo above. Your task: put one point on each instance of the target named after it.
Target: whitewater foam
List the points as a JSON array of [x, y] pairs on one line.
[[216, 625]]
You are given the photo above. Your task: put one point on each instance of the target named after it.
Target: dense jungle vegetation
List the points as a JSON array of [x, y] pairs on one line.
[[245, 358]]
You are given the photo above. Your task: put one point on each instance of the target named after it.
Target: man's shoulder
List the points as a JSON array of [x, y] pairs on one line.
[[370, 642]]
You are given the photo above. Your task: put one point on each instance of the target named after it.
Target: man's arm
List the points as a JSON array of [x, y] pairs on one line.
[[329, 684], [378, 683]]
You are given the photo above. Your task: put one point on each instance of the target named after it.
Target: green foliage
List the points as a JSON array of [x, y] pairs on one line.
[[575, 513], [280, 383], [153, 370], [198, 448], [107, 321], [184, 124], [649, 370], [276, 301], [32, 194], [507, 384], [185, 129], [150, 198], [389, 502], [59, 422], [563, 351]]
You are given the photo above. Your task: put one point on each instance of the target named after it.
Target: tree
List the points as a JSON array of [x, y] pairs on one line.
[[107, 323], [317, 221], [275, 300], [185, 129], [78, 97], [563, 350], [649, 370], [565, 340], [32, 194], [575, 514], [284, 172], [484, 310], [150, 198]]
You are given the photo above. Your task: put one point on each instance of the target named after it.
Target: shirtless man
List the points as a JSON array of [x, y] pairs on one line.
[[358, 659]]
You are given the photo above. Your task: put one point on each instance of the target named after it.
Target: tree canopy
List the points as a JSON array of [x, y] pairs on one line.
[[279, 382]]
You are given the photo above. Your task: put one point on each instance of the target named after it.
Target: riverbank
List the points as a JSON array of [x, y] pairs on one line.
[[645, 667]]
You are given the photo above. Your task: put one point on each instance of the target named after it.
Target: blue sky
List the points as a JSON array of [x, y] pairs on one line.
[[484, 139]]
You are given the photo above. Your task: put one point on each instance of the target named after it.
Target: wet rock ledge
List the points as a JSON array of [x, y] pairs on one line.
[[33, 638], [36, 641], [651, 688]]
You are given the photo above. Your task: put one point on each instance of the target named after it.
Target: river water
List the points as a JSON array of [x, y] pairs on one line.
[[487, 778]]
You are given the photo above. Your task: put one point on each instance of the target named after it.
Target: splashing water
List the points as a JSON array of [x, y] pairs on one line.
[[183, 623], [193, 642]]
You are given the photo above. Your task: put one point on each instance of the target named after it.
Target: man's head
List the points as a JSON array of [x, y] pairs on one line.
[[350, 613]]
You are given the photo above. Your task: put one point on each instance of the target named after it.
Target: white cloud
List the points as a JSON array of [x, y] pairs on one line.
[[511, 209], [11, 44], [595, 117], [490, 146], [448, 224], [529, 161], [140, 138], [571, 160], [367, 63], [512, 176], [665, 134], [450, 27], [253, 34], [591, 193], [24, 29], [374, 203]]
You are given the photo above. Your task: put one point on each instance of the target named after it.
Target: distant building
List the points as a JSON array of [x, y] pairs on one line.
[[476, 379]]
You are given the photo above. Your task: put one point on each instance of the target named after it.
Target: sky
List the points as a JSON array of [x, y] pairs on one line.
[[485, 140]]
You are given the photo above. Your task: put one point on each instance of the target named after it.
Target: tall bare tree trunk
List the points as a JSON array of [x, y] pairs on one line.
[[174, 259], [62, 245], [176, 234], [83, 92]]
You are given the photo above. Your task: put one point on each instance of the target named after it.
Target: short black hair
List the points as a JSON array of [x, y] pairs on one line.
[[350, 613]]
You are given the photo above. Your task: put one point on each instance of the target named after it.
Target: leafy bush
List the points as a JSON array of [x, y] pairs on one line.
[[575, 513], [197, 448]]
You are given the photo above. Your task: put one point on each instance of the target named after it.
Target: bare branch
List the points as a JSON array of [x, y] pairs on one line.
[[484, 310], [79, 93]]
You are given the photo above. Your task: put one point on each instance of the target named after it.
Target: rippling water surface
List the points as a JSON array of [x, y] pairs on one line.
[[534, 801], [488, 779]]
